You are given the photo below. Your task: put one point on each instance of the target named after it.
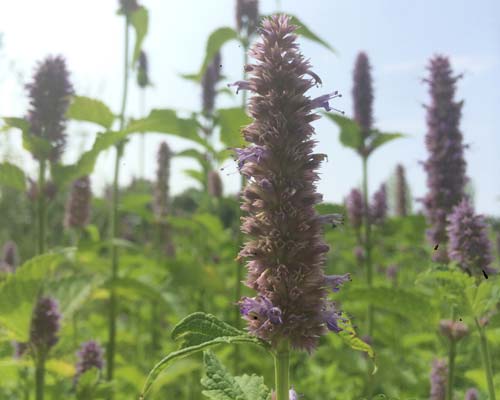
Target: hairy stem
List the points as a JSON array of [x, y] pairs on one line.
[[485, 354], [282, 371], [113, 306], [41, 206]]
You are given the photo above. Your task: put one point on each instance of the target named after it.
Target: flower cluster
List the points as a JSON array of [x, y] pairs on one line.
[[445, 165], [208, 83], [286, 251], [45, 324], [89, 356], [439, 379], [355, 208], [469, 244], [401, 192], [78, 205], [378, 208], [453, 330], [49, 94]]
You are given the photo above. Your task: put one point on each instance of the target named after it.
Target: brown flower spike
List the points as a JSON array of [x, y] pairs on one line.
[[286, 251]]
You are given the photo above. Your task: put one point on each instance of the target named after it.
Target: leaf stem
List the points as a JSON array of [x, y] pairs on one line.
[[114, 219], [41, 206], [485, 354], [282, 371]]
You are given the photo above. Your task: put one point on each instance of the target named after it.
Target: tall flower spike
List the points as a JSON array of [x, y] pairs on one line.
[[469, 244], [143, 70], [215, 188], [401, 192], [362, 94], [355, 208], [445, 165], [247, 16], [78, 205], [378, 208], [90, 356], [10, 257], [439, 375], [209, 82], [286, 251], [49, 94], [45, 324], [471, 394], [127, 7]]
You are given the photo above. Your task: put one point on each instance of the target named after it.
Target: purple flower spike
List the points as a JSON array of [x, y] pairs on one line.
[[445, 165], [469, 244], [209, 82], [143, 70], [378, 209], [90, 356], [362, 94], [215, 188], [285, 251], [334, 282], [401, 192], [355, 208], [77, 212], [439, 380], [247, 16], [45, 324], [471, 394]]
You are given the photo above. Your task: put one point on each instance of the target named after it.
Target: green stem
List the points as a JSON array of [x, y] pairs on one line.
[[282, 371], [451, 369], [41, 207], [485, 354], [39, 376], [367, 242], [114, 220], [142, 148]]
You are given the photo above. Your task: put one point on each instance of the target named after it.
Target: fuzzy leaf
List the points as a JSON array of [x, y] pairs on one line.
[[198, 332], [253, 387], [350, 134], [12, 176], [219, 383], [140, 22], [231, 120], [86, 109]]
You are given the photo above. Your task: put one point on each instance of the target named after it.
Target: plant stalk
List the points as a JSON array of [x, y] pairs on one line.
[[39, 376], [367, 243], [451, 369], [485, 354], [114, 220], [41, 206], [282, 371]]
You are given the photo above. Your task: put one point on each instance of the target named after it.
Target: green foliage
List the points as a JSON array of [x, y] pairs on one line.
[[219, 384], [86, 109], [36, 145], [231, 120], [12, 176], [140, 22]]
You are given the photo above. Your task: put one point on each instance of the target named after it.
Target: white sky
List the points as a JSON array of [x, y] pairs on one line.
[[399, 36]]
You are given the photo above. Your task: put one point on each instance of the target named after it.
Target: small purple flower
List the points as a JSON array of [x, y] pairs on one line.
[[240, 85], [45, 324], [332, 316], [292, 394], [439, 380], [89, 356], [260, 309], [469, 244], [471, 394], [453, 330], [355, 208], [323, 101], [334, 282], [252, 154], [378, 208]]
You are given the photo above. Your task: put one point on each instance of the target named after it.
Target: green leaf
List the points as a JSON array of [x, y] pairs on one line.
[[379, 138], [39, 147], [140, 22], [87, 109], [215, 41], [231, 120], [12, 176], [196, 175], [167, 121], [198, 332], [197, 155], [304, 31], [253, 387], [350, 134], [134, 288], [85, 165]]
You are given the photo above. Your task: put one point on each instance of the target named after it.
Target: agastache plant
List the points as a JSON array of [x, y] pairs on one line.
[[89, 356], [247, 16], [215, 188], [438, 380], [401, 192], [77, 213], [378, 208], [208, 85], [286, 252], [445, 165]]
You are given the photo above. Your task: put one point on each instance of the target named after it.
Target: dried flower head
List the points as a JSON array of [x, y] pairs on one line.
[[469, 244], [45, 324], [445, 165], [378, 208], [355, 208], [247, 16], [214, 184], [89, 356], [143, 70], [401, 192], [286, 251], [471, 394], [439, 380], [362, 94], [208, 84], [453, 330], [78, 205], [49, 93]]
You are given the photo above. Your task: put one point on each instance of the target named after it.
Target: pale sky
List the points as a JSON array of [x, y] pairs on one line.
[[399, 37]]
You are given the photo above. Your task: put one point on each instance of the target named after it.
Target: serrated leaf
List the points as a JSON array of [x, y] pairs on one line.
[[380, 138], [304, 31], [231, 120], [215, 41], [86, 109], [167, 121], [350, 134], [198, 332], [12, 176], [219, 383], [139, 20], [253, 387]]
